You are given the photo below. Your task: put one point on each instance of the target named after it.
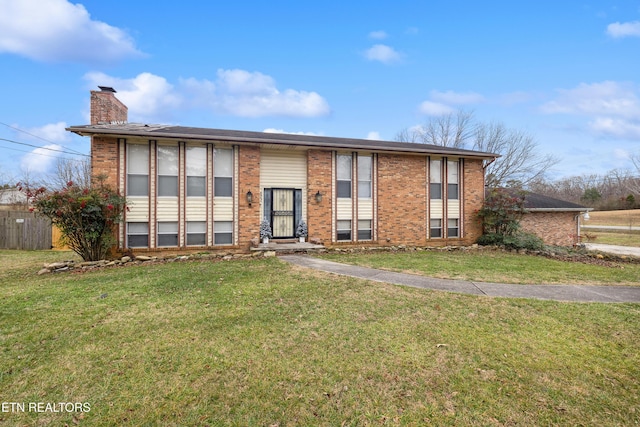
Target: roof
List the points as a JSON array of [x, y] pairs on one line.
[[206, 134], [535, 202]]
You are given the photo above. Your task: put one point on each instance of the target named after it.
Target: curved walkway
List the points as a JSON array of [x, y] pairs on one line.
[[579, 293]]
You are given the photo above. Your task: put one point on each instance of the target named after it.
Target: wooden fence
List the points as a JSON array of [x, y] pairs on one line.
[[24, 230]]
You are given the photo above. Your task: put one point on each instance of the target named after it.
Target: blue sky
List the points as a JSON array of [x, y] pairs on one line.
[[566, 72]]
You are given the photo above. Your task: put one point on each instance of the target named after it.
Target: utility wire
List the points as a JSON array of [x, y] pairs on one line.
[[40, 154], [44, 148], [36, 136]]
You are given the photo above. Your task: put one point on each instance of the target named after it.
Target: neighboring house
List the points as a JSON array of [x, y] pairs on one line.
[[191, 188], [12, 199], [556, 222]]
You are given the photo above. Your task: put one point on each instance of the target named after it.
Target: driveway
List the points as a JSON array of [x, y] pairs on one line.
[[575, 293], [613, 249]]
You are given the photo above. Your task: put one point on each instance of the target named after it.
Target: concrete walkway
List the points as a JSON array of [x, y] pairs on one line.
[[577, 293], [614, 249]]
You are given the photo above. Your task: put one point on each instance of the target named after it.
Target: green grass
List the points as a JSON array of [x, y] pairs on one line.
[[262, 343], [619, 238], [493, 266]]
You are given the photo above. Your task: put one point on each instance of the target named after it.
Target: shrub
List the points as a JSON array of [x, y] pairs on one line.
[[86, 216], [265, 229], [302, 231]]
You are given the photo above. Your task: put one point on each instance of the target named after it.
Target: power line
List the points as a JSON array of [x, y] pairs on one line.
[[36, 136], [41, 154], [44, 148]]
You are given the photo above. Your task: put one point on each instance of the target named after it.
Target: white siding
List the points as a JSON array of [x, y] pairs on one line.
[[453, 209], [284, 169], [344, 209], [365, 208], [436, 208], [167, 209], [196, 209], [138, 209], [223, 209]]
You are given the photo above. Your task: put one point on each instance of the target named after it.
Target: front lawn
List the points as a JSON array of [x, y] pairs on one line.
[[496, 267], [263, 343]]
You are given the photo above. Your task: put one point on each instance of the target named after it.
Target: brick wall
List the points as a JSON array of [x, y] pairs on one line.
[[248, 180], [555, 228], [402, 199], [319, 179], [473, 179], [106, 108], [104, 159]]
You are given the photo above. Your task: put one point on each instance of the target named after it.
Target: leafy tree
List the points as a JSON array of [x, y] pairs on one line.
[[86, 216], [591, 195], [500, 216]]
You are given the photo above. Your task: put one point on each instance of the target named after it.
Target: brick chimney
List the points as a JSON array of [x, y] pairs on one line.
[[106, 108]]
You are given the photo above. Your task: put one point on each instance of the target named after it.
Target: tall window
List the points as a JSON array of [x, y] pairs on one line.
[[167, 171], [167, 234], [223, 172], [137, 234], [364, 229], [137, 170], [344, 230], [435, 228], [196, 171], [196, 233], [364, 176], [344, 175], [223, 232], [452, 180], [435, 179], [452, 227]]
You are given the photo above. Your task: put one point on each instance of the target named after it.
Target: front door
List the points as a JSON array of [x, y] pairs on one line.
[[283, 208]]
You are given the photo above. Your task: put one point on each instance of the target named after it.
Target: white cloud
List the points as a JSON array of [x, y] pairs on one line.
[[378, 35], [148, 97], [373, 135], [58, 31], [39, 160], [253, 94], [456, 98], [613, 107], [54, 132], [608, 98], [382, 53], [617, 128], [273, 130], [431, 108], [625, 29], [235, 92], [440, 103]]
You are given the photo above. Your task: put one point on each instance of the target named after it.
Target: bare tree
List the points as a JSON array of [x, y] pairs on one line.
[[520, 163], [449, 130], [66, 170]]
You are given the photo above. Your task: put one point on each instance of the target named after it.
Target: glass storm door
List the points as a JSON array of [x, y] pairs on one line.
[[283, 208]]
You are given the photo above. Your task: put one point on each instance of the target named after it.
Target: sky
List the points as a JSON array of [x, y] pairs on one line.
[[566, 72]]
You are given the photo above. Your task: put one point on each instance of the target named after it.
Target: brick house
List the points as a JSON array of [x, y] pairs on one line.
[[193, 188], [556, 222]]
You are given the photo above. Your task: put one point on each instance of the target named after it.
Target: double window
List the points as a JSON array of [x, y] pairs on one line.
[[223, 172], [137, 170], [196, 171], [364, 176], [196, 233], [167, 171], [344, 174], [137, 234], [167, 234], [223, 232], [452, 180], [435, 179]]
